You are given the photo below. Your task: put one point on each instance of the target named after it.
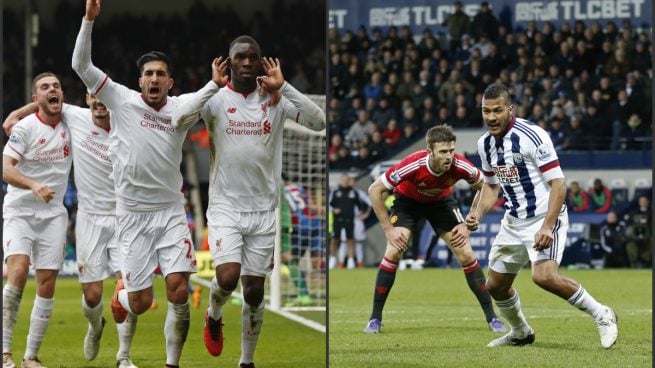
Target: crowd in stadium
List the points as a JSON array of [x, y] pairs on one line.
[[588, 85]]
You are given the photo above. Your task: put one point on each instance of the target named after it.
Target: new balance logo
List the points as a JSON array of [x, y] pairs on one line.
[[95, 133], [231, 110]]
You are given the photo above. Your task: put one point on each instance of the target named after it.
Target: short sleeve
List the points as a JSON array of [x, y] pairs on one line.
[[18, 142]]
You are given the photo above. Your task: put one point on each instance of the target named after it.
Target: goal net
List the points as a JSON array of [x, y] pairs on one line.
[[298, 280]]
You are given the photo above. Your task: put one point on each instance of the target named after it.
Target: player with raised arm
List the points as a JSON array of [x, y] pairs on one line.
[[146, 152], [97, 252], [246, 166], [422, 183], [36, 163], [519, 158]]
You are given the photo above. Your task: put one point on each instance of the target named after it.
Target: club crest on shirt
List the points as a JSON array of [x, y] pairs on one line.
[[231, 110], [41, 141], [518, 158], [543, 152], [450, 182]]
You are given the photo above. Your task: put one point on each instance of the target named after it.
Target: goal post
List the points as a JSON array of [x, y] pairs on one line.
[[304, 162]]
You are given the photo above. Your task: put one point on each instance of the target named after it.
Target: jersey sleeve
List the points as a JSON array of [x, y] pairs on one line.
[[488, 174], [399, 172], [18, 142], [467, 170], [75, 116], [545, 157], [191, 104], [301, 109]]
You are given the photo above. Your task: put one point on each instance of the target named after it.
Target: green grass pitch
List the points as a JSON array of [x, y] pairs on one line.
[[431, 319], [282, 343]]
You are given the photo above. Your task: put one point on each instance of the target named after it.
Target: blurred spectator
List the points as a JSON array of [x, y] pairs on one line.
[[601, 197], [383, 113], [343, 160], [360, 128], [633, 133], [576, 199], [577, 137], [639, 234], [335, 143], [377, 147], [363, 160], [612, 240], [485, 22], [458, 24], [558, 134], [410, 135], [391, 134]]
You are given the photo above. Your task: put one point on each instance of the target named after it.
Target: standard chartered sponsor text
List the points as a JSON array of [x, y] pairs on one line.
[[157, 123], [96, 148], [247, 127]]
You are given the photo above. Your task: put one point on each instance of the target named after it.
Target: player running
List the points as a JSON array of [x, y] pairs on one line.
[[519, 157], [422, 183], [36, 163], [246, 166], [97, 251]]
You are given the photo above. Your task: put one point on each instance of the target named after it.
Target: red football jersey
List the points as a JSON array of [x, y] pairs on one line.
[[413, 178]]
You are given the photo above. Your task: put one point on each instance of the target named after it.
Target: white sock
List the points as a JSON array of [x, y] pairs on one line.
[[217, 298], [39, 321], [359, 252], [333, 262], [93, 316], [511, 310], [124, 299], [582, 300], [176, 329], [252, 319], [343, 252], [125, 334], [11, 297]]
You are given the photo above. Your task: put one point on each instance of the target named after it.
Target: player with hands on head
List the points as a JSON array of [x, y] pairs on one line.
[[246, 167], [422, 183], [36, 163], [519, 158]]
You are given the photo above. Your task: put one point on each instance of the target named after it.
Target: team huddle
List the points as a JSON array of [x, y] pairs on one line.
[[127, 150]]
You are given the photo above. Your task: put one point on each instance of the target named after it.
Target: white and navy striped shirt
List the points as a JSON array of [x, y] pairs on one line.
[[522, 161]]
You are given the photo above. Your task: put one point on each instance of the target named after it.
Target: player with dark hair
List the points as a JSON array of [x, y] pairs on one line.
[[246, 166], [146, 152], [519, 157], [422, 183], [36, 162]]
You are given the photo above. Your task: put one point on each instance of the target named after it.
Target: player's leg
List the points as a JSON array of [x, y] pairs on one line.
[[475, 279], [258, 249], [544, 274], [92, 308], [18, 237], [178, 315], [350, 263], [125, 333], [507, 256]]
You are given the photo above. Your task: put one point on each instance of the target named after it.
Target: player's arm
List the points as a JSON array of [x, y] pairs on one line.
[[483, 201], [92, 77], [18, 114], [308, 113], [543, 239], [12, 176], [394, 236], [188, 112], [460, 233]]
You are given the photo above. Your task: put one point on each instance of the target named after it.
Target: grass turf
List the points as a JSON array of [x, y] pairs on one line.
[[282, 343], [431, 319]]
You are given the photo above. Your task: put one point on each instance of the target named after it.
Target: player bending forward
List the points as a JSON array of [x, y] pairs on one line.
[[422, 183]]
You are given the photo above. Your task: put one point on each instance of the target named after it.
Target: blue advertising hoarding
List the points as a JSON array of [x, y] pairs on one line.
[[421, 14]]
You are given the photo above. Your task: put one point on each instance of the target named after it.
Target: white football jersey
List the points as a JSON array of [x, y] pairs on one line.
[[93, 179], [523, 161], [246, 147], [44, 154]]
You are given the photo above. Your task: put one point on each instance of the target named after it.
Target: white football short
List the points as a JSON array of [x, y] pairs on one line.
[[43, 239], [97, 251], [152, 238], [512, 248], [247, 238]]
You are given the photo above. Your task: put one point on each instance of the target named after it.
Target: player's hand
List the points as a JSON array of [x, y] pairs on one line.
[[472, 221], [273, 80], [92, 9], [459, 236], [219, 71], [396, 238], [43, 192], [543, 239]]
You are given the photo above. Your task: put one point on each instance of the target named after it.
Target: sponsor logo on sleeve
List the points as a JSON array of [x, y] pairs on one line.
[[543, 152]]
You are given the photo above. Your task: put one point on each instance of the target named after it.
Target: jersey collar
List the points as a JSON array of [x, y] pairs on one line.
[[512, 120], [244, 94], [46, 123]]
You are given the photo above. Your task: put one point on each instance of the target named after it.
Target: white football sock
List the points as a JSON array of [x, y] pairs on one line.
[[93, 316], [252, 319], [582, 300], [125, 335], [176, 329], [39, 321], [511, 310], [124, 299], [11, 297], [217, 298]]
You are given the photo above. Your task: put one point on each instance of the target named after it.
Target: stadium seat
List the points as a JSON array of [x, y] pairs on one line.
[[642, 186], [619, 190]]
